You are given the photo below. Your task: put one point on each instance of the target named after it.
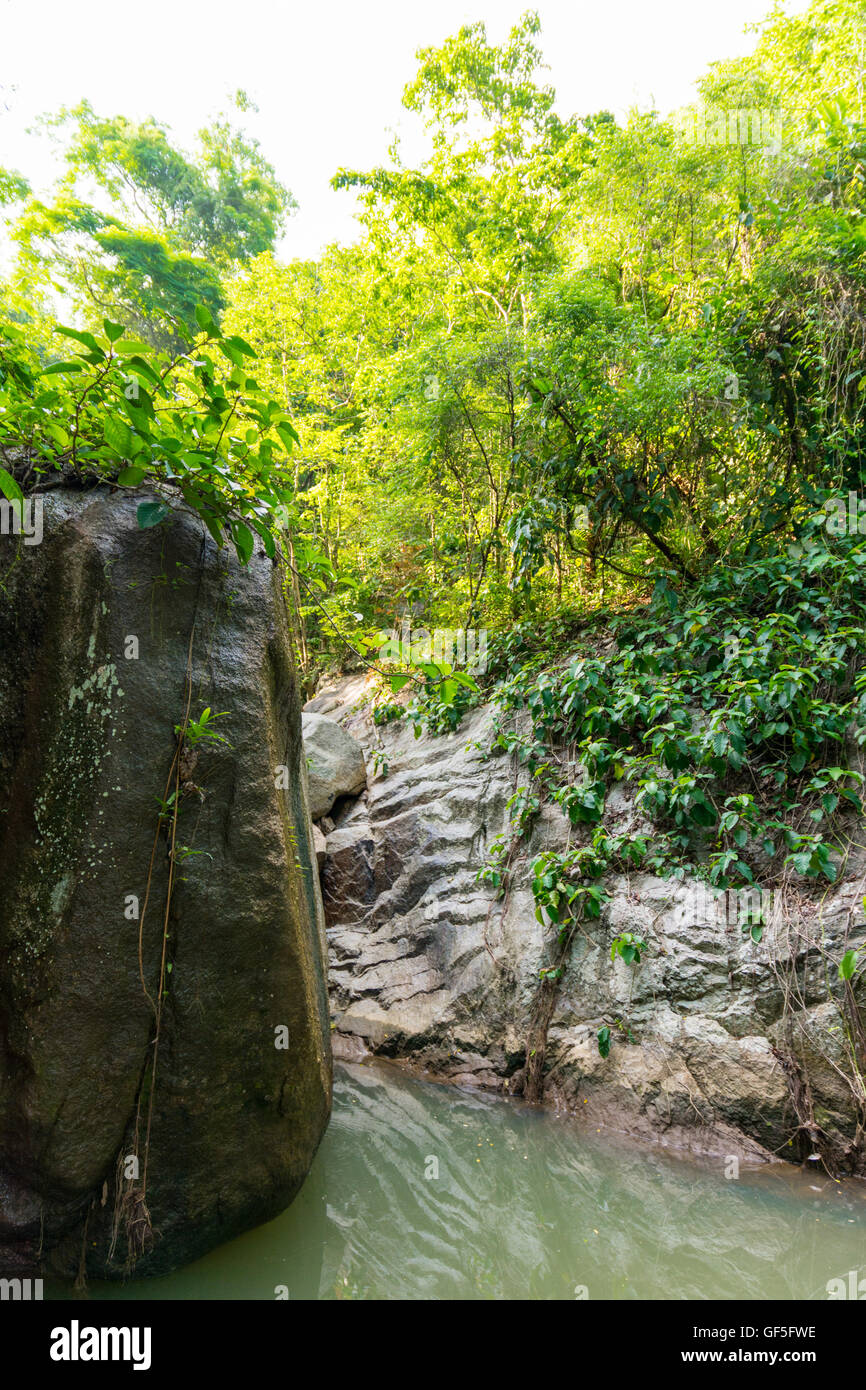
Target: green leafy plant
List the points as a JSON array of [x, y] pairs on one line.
[[380, 762], [628, 947], [197, 429], [201, 730], [848, 965], [752, 922]]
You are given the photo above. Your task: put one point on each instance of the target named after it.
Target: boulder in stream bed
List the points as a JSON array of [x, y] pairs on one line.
[[335, 763], [107, 631]]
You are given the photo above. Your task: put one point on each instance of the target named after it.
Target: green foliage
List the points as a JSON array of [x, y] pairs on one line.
[[201, 730], [385, 711], [628, 947], [575, 358], [585, 383], [181, 223], [444, 694], [848, 965], [726, 707], [380, 763], [560, 888], [12, 186], [444, 699], [749, 678], [198, 429]]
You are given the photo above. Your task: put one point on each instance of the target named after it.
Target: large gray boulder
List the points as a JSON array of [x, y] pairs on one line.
[[106, 631], [335, 763]]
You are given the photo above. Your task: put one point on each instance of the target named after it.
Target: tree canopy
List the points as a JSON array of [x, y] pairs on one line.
[[575, 371]]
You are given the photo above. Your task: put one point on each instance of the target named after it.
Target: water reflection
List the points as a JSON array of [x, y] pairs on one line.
[[525, 1205]]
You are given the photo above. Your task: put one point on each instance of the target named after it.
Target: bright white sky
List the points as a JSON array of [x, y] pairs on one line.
[[327, 75]]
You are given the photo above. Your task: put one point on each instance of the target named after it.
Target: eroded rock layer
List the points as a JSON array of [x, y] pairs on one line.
[[713, 1035]]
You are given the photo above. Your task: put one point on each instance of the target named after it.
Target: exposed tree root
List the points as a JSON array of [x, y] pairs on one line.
[[536, 1042]]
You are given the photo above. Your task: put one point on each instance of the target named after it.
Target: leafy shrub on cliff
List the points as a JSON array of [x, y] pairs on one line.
[[117, 411], [728, 706]]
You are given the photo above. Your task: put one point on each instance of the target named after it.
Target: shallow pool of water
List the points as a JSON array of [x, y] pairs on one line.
[[423, 1191]]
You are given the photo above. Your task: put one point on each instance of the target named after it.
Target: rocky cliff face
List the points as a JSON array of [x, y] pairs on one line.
[[107, 634], [718, 1043]]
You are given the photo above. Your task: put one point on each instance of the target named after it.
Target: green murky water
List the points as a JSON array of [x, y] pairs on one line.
[[525, 1205]]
